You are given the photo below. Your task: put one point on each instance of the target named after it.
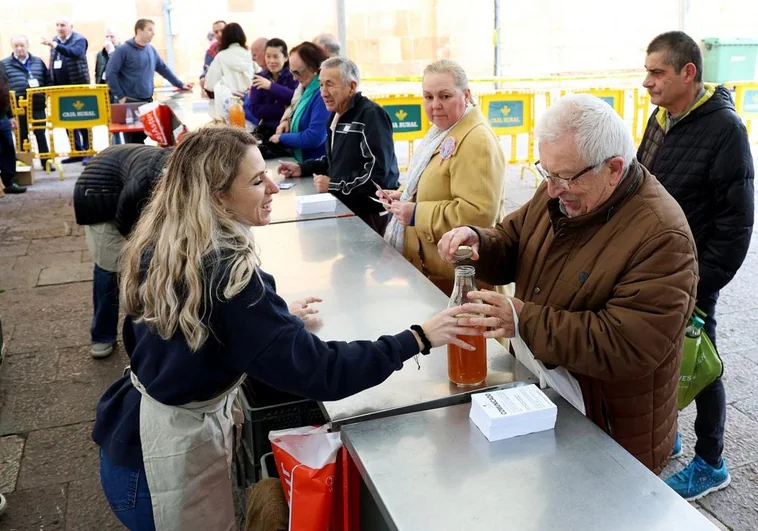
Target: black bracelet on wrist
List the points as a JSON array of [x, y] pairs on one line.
[[425, 340]]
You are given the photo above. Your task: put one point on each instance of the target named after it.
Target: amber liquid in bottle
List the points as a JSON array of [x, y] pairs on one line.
[[236, 114], [466, 367]]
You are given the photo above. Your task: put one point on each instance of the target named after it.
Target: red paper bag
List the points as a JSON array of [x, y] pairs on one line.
[[306, 459], [161, 124]]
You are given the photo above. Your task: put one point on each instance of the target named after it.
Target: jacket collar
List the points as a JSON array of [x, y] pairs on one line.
[[357, 97], [710, 90], [626, 188], [464, 127]]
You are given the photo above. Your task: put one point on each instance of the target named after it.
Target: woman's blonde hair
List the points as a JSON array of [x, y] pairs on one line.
[[456, 71], [448, 66], [170, 263]]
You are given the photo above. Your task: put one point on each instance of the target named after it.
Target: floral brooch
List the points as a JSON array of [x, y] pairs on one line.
[[447, 148]]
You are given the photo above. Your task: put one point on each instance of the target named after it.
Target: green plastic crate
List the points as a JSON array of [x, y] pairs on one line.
[[729, 59]]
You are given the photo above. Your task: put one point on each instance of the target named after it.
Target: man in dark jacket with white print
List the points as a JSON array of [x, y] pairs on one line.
[[360, 152], [697, 147]]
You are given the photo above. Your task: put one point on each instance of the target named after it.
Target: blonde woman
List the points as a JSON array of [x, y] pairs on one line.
[[201, 315], [455, 178]]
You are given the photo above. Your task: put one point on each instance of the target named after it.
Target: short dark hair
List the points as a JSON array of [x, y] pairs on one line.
[[277, 43], [219, 22], [311, 54], [681, 49], [233, 33], [141, 24]]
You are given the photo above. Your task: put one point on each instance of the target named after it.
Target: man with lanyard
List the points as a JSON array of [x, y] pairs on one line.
[[24, 71], [697, 147], [68, 61]]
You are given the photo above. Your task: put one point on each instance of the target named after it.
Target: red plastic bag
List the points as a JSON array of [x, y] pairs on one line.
[[306, 459]]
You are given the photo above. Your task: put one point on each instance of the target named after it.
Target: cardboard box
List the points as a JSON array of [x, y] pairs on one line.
[[25, 174]]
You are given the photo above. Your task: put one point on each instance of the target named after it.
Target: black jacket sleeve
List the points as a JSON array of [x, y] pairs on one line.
[[319, 166], [5, 101], [731, 178]]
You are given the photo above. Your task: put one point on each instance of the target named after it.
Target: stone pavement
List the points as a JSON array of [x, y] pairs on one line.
[[49, 385]]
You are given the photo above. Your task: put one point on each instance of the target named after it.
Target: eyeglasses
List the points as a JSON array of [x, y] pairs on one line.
[[299, 72], [565, 183]]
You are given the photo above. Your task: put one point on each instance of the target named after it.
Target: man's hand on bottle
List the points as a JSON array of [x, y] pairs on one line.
[[450, 242]]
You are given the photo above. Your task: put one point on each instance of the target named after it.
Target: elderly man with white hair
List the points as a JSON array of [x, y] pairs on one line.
[[605, 270], [68, 66], [360, 152], [26, 71]]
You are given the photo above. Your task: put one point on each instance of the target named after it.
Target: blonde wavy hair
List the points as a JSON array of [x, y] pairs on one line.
[[185, 235]]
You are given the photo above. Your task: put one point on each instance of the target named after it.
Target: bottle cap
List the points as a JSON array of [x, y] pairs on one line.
[[697, 321], [464, 252]]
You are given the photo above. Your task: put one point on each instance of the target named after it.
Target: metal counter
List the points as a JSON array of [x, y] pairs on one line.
[[369, 289], [284, 208], [436, 470]]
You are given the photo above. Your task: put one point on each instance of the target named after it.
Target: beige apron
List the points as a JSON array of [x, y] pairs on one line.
[[187, 452]]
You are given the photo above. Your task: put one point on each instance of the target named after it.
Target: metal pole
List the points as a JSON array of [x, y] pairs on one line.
[[496, 38], [684, 7], [342, 26], [169, 38]]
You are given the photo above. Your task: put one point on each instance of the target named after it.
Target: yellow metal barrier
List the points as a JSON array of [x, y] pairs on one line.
[[641, 114], [70, 107], [612, 96], [616, 98], [409, 121], [511, 114], [746, 102], [16, 111]]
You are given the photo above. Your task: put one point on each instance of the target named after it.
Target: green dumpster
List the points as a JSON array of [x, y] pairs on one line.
[[729, 59]]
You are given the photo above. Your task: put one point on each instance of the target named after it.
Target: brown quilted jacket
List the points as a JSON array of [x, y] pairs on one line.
[[607, 296]]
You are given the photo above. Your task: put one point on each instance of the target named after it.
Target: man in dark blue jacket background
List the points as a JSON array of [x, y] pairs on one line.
[[24, 71], [68, 66], [131, 70], [697, 147]]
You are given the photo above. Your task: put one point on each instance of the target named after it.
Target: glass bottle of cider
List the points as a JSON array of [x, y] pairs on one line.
[[466, 367]]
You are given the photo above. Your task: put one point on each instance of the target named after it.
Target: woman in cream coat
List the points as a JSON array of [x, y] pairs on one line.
[[455, 178], [231, 71]]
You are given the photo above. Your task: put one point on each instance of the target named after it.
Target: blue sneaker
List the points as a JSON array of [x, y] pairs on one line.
[[699, 479], [676, 451]]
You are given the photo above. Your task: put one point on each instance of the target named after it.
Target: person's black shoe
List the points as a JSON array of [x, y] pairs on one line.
[[70, 160], [14, 188]]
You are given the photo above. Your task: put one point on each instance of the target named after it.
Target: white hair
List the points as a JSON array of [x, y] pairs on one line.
[[348, 70], [599, 131], [20, 38], [65, 20]]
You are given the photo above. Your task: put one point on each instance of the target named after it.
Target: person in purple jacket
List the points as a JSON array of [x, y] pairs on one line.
[[201, 316], [305, 132], [272, 89]]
